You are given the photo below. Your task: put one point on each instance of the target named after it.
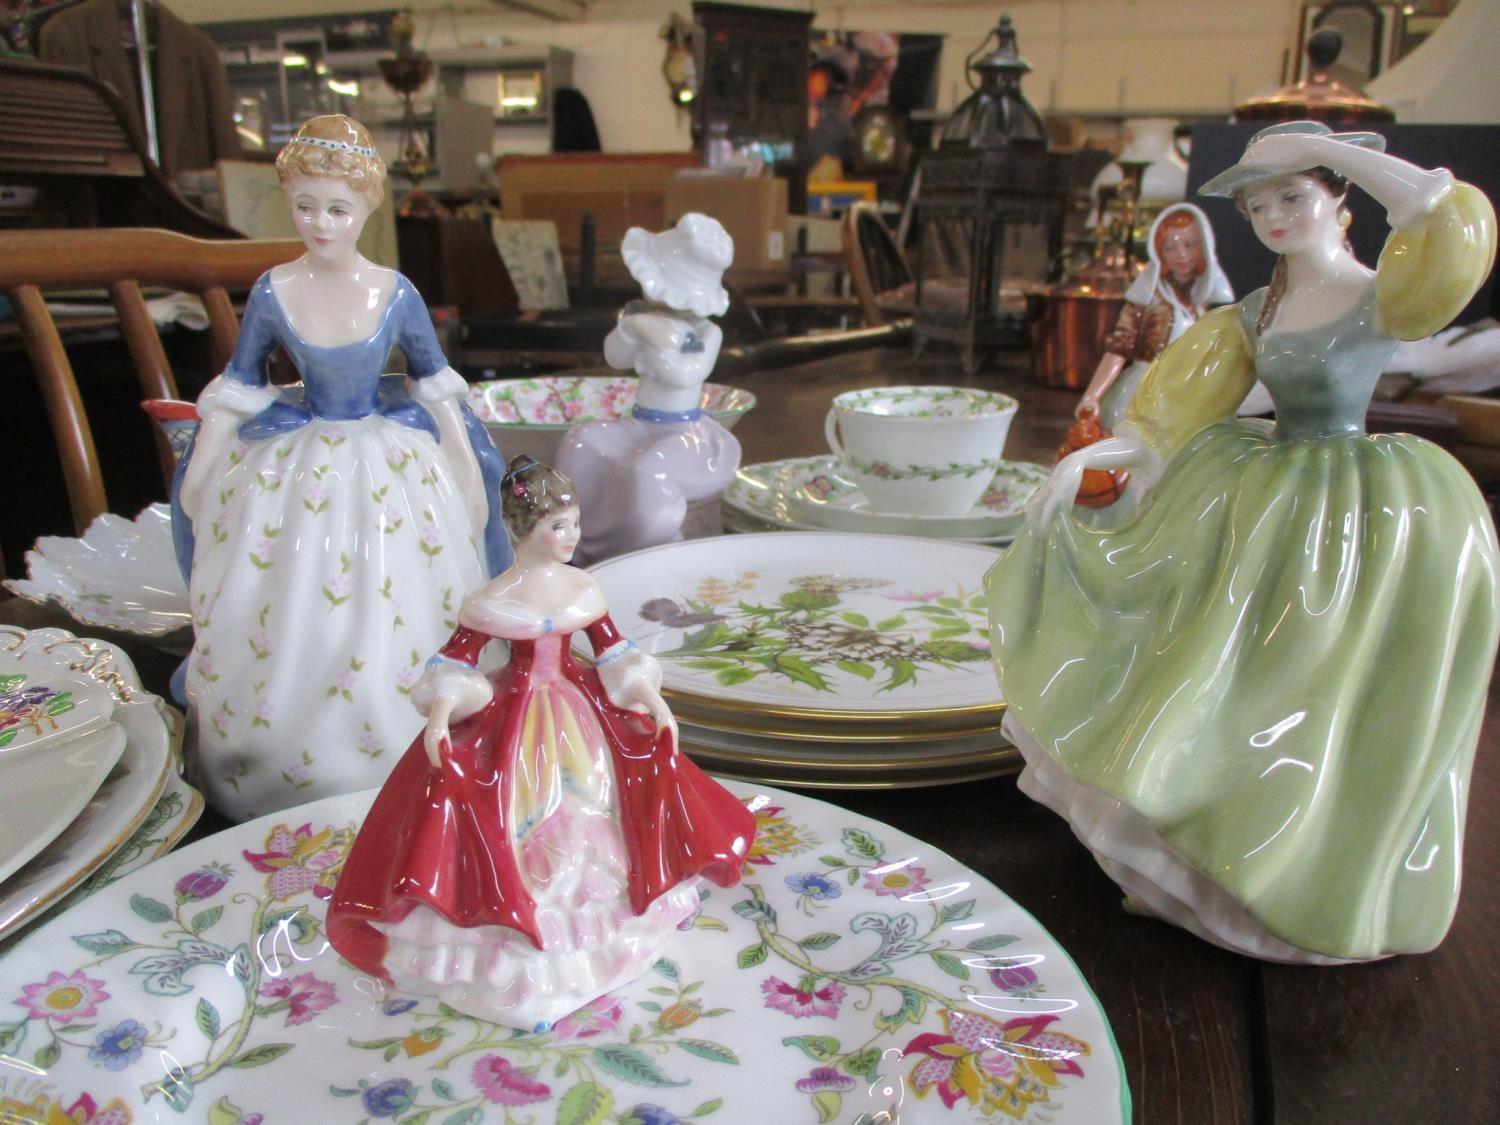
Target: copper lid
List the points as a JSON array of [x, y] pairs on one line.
[[1319, 97]]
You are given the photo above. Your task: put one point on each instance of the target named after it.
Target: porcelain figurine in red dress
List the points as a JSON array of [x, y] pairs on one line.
[[542, 839]]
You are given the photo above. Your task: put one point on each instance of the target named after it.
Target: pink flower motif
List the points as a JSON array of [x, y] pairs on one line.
[[316, 492], [303, 996], [406, 677], [897, 879], [263, 708], [339, 585], [63, 999], [996, 499], [824, 1078], [925, 596], [432, 534], [1012, 1063], [503, 1083], [802, 1004], [347, 679], [820, 487], [265, 550], [260, 640], [298, 860], [595, 1017]]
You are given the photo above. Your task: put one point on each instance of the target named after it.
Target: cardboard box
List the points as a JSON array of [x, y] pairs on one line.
[[753, 211], [620, 191]]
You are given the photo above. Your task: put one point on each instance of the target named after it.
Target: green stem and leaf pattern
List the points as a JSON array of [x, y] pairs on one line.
[[813, 635]]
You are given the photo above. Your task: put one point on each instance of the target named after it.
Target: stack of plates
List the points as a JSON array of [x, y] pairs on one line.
[[90, 767], [823, 659], [813, 494]]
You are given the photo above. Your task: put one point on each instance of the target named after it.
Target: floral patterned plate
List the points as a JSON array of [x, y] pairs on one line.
[[44, 700], [121, 575], [868, 628], [121, 806], [855, 975]]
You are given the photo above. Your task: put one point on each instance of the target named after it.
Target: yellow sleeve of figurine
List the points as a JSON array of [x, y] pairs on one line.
[[1197, 381], [1430, 270]]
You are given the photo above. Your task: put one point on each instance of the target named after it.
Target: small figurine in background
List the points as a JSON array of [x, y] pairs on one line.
[[327, 530], [541, 839], [655, 476], [1256, 699], [1179, 283]]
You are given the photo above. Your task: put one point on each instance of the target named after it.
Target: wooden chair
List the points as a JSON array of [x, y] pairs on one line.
[[878, 271], [120, 261]]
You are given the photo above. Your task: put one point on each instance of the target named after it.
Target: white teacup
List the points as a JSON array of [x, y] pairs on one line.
[[920, 450]]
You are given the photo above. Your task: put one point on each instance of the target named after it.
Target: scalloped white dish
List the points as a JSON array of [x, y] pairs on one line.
[[121, 575]]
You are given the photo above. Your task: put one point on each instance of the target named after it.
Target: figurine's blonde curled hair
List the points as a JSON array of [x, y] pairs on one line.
[[335, 145]]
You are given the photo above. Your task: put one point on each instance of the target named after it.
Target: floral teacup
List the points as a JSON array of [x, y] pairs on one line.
[[920, 450]]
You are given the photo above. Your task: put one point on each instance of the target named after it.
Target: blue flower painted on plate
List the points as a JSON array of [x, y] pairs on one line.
[[814, 886], [389, 1098], [119, 1046]]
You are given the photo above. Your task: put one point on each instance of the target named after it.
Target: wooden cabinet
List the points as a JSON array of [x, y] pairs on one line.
[[753, 64]]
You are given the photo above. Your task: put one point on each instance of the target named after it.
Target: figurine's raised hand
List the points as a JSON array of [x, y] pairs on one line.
[[1289, 152]]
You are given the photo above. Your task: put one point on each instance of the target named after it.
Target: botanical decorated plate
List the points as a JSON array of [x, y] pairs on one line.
[[120, 807], [870, 628], [121, 575], [819, 493], [843, 765], [856, 974]]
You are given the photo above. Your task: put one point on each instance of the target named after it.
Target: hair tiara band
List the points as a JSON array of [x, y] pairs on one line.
[[336, 146]]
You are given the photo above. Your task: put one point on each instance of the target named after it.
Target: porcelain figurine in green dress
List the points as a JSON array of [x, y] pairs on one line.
[[1256, 699]]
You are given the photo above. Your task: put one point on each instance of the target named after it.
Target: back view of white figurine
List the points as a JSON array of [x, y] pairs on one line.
[[637, 477]]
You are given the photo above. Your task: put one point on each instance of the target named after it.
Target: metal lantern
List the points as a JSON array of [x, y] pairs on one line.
[[990, 176]]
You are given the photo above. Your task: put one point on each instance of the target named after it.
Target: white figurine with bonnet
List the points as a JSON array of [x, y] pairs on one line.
[[656, 476]]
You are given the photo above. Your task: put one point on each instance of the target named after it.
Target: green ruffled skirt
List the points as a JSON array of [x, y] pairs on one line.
[[1280, 661]]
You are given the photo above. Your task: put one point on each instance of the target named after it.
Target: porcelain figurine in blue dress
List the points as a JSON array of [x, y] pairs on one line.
[[1256, 699], [329, 530]]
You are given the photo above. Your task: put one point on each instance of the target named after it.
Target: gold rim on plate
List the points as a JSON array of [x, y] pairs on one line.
[[921, 722]]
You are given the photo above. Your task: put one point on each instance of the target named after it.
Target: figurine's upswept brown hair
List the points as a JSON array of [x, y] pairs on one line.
[[529, 492], [327, 146], [1338, 187]]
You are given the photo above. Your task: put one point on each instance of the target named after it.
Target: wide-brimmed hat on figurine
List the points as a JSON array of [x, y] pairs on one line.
[[682, 268], [1242, 174]]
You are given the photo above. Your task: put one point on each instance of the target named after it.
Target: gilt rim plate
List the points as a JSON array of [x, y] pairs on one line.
[[823, 626]]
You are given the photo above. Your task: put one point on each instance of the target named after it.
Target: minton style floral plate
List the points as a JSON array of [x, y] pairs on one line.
[[121, 575], [856, 974], [813, 494], [863, 628]]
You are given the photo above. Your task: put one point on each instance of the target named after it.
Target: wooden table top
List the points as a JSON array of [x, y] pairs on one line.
[[1206, 1036]]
